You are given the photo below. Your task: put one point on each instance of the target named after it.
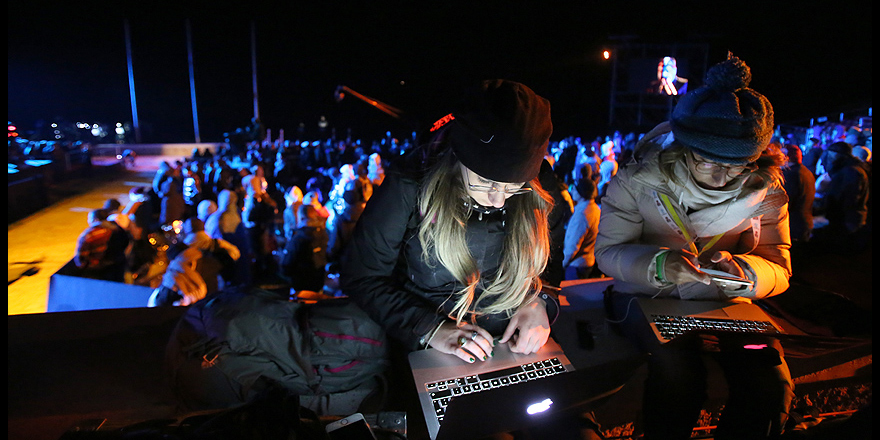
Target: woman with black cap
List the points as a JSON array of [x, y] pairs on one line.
[[451, 249], [705, 192]]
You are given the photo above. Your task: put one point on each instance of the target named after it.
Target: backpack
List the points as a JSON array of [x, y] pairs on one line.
[[231, 347]]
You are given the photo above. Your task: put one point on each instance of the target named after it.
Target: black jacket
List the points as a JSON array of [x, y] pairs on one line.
[[383, 270]]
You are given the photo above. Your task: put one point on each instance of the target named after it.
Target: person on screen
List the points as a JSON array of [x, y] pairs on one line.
[[705, 191], [450, 250], [669, 83]]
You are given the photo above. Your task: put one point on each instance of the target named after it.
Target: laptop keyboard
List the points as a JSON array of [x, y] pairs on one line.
[[443, 391], [672, 326]]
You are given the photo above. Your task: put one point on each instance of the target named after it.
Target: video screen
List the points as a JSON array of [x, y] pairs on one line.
[[668, 81]]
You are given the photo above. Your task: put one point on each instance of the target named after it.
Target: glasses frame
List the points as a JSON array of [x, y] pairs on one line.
[[496, 187], [707, 167]]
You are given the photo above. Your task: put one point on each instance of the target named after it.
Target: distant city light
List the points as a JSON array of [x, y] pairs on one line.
[[606, 54]]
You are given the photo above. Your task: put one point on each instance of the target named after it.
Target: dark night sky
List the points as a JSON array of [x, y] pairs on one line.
[[809, 58]]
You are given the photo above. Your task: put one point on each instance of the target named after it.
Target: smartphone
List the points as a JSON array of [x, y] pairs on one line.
[[353, 427], [726, 280]]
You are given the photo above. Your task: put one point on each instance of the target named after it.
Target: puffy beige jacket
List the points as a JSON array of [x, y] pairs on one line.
[[635, 225]]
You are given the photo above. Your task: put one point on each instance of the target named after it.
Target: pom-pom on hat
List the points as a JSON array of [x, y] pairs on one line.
[[501, 131], [725, 121]]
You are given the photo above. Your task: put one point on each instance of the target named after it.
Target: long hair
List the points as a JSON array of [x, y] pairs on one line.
[[444, 206], [768, 166]]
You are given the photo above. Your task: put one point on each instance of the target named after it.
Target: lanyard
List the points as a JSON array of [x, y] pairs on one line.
[[672, 218]]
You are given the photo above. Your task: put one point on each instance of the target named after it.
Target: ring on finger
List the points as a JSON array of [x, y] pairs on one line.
[[461, 341], [474, 336]]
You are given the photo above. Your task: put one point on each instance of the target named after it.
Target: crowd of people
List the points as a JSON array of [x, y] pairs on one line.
[[277, 203], [324, 219]]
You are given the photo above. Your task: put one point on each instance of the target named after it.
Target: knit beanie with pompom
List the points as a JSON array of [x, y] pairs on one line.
[[725, 121]]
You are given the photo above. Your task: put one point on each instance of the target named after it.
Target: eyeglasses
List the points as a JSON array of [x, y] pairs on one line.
[[489, 186], [704, 166]]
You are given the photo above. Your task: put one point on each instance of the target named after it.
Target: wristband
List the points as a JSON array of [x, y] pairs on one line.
[[659, 261]]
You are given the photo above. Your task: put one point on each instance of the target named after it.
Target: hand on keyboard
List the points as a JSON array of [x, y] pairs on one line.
[[468, 342], [528, 329]]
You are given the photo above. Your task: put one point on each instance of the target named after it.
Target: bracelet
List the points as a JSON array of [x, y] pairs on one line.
[[659, 261]]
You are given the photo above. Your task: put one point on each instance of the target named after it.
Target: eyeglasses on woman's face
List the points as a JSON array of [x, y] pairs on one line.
[[479, 184], [706, 166]]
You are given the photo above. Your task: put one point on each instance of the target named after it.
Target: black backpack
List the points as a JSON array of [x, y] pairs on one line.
[[231, 347]]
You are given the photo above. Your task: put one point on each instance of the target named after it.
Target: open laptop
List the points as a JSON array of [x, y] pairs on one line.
[[671, 318], [510, 406], [505, 380], [675, 320]]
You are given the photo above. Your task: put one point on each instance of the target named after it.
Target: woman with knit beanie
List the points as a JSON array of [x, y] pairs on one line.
[[704, 191]]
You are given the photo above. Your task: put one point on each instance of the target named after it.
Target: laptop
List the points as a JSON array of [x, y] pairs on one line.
[[512, 406], [673, 320], [462, 400]]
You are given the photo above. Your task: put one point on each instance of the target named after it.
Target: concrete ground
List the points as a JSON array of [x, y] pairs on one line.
[[46, 240]]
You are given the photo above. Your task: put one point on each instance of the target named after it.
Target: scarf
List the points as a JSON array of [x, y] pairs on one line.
[[716, 211]]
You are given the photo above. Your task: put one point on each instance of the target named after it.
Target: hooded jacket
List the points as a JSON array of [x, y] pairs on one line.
[[636, 224]]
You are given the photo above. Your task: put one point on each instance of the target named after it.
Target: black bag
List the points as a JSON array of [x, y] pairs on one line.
[[229, 348], [273, 414]]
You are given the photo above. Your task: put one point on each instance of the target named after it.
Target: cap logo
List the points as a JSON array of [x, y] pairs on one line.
[[442, 121]]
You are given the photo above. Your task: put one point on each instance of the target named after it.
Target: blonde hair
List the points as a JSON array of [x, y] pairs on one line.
[[445, 210]]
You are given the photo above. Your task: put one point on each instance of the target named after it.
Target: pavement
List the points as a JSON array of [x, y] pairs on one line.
[[46, 240]]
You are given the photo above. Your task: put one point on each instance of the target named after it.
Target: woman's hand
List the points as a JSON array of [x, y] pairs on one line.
[[468, 342], [681, 267], [724, 261], [529, 328]]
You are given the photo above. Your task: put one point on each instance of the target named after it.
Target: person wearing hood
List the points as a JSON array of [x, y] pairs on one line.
[[704, 191], [258, 217], [199, 266], [226, 223], [844, 193]]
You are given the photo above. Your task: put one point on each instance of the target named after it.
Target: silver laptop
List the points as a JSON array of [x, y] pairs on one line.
[[441, 377], [675, 319], [671, 318]]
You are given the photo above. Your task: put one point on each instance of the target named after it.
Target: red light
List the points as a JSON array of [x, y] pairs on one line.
[[442, 121]]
